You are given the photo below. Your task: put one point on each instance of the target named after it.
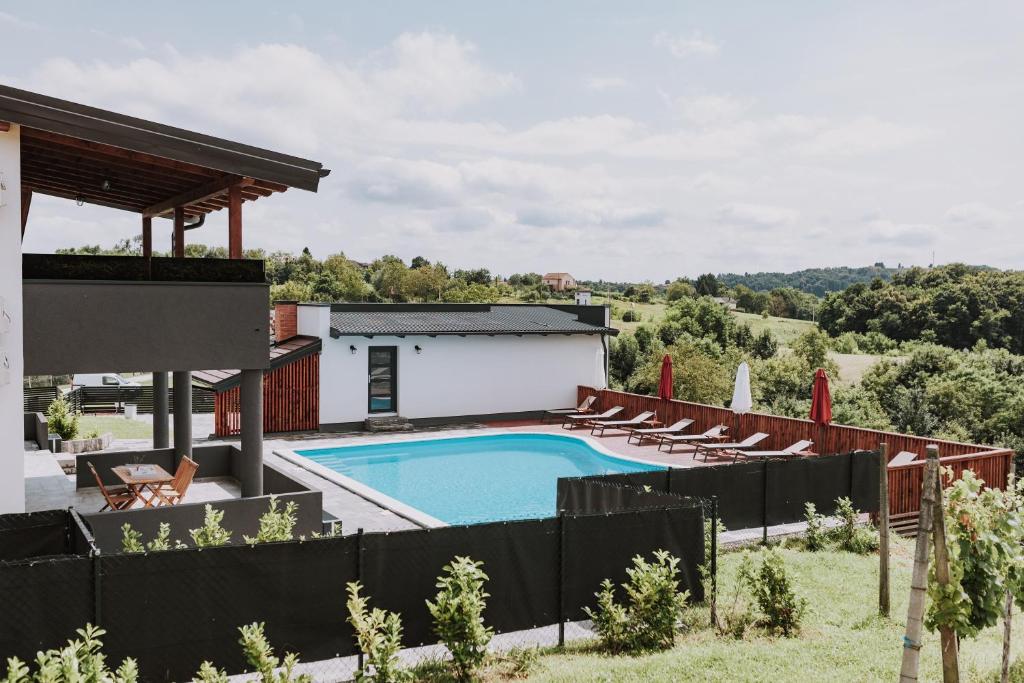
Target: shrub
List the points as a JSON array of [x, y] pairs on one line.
[[735, 613], [764, 345], [653, 610], [817, 535], [260, 656], [162, 540], [631, 316], [61, 420], [781, 608], [81, 659], [379, 637], [131, 540], [849, 535], [275, 525], [211, 533], [458, 614], [522, 661]]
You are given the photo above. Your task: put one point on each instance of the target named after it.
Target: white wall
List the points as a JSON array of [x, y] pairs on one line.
[[12, 446], [454, 375]]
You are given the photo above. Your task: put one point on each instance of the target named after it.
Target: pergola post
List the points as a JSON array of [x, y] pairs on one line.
[[161, 436], [251, 394], [183, 412], [235, 222], [147, 236], [179, 232]]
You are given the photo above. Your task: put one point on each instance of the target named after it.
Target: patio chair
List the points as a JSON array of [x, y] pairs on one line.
[[584, 408], [571, 421], [655, 433], [729, 448], [691, 439], [171, 494], [633, 422], [117, 497], [788, 452]]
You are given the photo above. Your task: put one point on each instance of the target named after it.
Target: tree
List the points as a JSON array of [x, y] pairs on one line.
[[388, 276], [426, 283], [707, 285], [418, 262], [680, 289], [623, 354], [812, 347], [765, 345]]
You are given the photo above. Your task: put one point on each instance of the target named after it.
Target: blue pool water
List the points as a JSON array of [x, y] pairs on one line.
[[473, 479]]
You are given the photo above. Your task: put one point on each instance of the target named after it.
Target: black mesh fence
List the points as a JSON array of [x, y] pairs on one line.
[[33, 534]]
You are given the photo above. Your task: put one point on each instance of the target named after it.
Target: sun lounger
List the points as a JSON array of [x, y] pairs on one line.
[[637, 420], [788, 452], [691, 439], [584, 408], [903, 458], [571, 421], [728, 448], [655, 433]]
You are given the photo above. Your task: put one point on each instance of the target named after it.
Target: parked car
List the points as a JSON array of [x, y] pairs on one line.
[[102, 379]]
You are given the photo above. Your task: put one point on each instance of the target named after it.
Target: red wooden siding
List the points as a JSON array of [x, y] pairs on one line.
[[990, 464], [291, 400]]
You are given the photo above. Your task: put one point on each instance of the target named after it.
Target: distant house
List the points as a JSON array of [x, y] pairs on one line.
[[435, 363], [559, 281]]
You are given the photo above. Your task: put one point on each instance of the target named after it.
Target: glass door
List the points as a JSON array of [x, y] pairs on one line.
[[382, 380]]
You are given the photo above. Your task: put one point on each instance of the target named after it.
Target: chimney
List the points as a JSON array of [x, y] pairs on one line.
[[286, 320]]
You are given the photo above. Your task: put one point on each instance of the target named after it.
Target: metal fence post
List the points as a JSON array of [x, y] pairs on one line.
[[97, 588], [714, 560], [561, 578], [359, 578], [764, 500]]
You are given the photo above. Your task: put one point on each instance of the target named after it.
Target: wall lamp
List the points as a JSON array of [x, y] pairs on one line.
[[419, 349], [352, 349]]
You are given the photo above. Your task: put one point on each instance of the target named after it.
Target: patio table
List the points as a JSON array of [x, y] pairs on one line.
[[142, 478]]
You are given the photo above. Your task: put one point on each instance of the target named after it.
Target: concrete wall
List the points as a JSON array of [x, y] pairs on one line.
[[12, 463], [455, 376], [83, 326]]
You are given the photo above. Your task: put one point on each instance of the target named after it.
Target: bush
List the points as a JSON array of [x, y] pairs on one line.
[[850, 535], [735, 613], [260, 656], [379, 637], [211, 533], [781, 608], [764, 345], [458, 612], [81, 659], [61, 420], [631, 316], [275, 525], [654, 607], [817, 535], [131, 540]]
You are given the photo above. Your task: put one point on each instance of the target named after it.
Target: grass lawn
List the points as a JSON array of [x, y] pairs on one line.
[[843, 638], [115, 424], [784, 329]]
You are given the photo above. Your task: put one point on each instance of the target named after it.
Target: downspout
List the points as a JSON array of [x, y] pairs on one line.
[[607, 378], [190, 226]]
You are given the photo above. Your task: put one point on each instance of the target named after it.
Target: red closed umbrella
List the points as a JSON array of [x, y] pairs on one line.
[[821, 399], [665, 385]]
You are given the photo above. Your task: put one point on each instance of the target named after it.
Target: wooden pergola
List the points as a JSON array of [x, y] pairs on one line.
[[100, 157]]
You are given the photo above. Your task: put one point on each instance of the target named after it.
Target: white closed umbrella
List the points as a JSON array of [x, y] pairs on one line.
[[741, 401]]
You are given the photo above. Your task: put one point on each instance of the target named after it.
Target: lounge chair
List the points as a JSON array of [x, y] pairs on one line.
[[584, 408], [117, 497], [691, 439], [633, 422], [729, 448], [171, 494], [655, 433], [787, 452], [571, 421], [903, 458]]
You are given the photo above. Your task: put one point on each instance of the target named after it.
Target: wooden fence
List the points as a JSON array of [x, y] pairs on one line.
[[111, 399], [991, 464], [291, 400]]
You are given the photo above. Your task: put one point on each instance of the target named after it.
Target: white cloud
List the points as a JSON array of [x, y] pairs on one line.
[[602, 83], [16, 22], [902, 234], [757, 215], [705, 110], [976, 215], [866, 135], [694, 44]]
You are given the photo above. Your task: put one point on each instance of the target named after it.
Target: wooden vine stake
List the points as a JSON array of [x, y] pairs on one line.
[[919, 579], [950, 656], [883, 530], [1004, 671]]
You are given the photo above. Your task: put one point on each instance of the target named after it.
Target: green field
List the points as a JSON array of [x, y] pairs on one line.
[[784, 329], [116, 425], [843, 638]]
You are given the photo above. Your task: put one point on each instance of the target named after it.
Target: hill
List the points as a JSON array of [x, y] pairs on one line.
[[817, 281]]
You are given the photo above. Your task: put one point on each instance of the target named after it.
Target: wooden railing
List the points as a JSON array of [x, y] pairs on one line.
[[990, 464]]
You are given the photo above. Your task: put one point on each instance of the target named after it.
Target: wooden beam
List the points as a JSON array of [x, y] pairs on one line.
[[179, 232], [4, 126], [196, 194], [235, 222], [26, 202], [147, 236]]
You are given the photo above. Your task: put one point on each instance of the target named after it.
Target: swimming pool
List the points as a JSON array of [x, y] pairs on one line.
[[466, 480]]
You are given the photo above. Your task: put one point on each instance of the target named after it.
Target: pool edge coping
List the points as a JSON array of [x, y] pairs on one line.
[[404, 510]]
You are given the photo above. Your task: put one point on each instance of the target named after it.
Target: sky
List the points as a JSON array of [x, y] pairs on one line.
[[622, 141]]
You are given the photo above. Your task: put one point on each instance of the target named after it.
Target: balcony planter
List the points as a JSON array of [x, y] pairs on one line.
[[87, 445]]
